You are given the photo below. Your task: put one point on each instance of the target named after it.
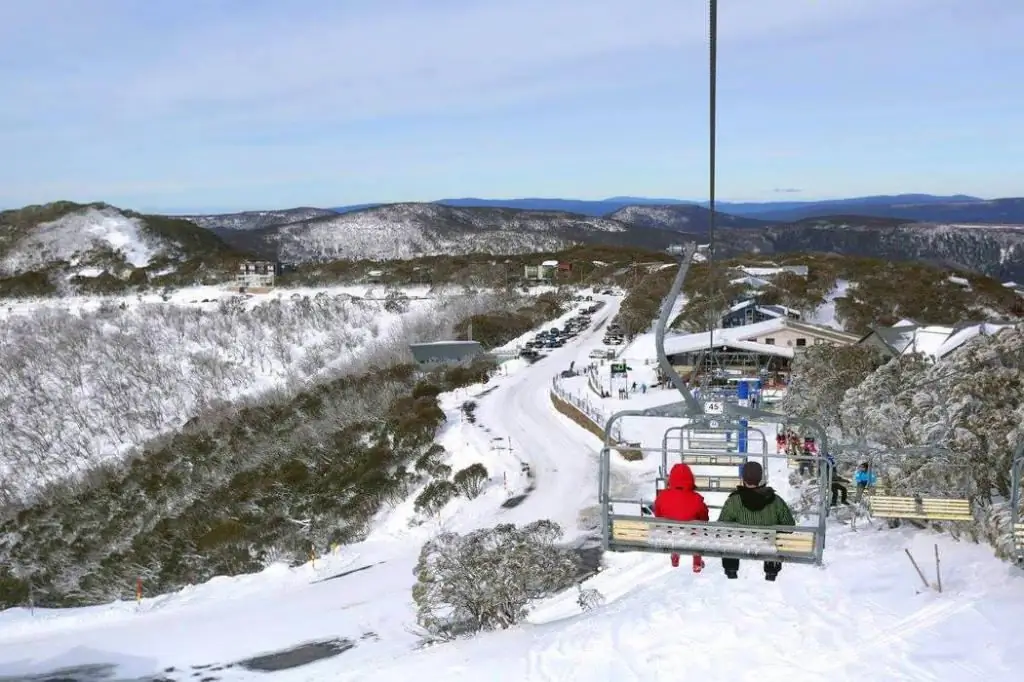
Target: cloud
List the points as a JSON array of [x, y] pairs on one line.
[[787, 190]]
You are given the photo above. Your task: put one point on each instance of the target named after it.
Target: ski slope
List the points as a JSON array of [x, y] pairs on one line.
[[863, 616]]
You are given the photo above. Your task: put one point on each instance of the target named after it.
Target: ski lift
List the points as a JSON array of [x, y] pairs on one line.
[[1017, 503], [915, 502], [626, 525]]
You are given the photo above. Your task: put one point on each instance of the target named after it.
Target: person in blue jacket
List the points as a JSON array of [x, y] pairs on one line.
[[863, 477]]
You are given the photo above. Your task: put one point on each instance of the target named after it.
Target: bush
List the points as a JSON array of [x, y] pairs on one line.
[[434, 497], [486, 579], [471, 480]]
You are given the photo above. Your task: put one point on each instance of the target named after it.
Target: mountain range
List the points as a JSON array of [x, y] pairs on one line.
[[924, 207], [99, 245]]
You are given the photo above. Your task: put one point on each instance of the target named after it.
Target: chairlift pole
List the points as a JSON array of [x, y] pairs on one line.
[[712, 128]]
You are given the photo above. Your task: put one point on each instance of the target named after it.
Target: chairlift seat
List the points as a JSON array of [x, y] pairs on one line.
[[716, 483], [713, 539], [711, 445], [712, 458], [927, 508]]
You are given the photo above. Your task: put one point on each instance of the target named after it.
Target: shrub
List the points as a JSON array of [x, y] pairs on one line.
[[471, 480], [434, 497], [486, 579]]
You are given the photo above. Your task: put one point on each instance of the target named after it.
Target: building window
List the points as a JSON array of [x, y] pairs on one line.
[[800, 343], [769, 341]]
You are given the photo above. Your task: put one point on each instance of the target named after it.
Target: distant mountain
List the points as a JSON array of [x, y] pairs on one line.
[[398, 231], [254, 220], [681, 218], [1008, 211], [97, 245], [910, 206]]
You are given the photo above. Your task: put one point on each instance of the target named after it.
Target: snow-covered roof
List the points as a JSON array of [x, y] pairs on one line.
[[689, 343], [961, 281], [801, 270], [550, 264], [753, 282], [933, 341], [1011, 285]]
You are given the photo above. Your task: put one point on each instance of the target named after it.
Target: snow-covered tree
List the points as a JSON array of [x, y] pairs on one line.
[[486, 579]]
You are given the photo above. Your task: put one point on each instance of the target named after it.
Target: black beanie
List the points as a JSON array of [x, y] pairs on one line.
[[753, 472]]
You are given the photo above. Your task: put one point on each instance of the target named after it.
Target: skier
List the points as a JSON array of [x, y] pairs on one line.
[[753, 504], [679, 501]]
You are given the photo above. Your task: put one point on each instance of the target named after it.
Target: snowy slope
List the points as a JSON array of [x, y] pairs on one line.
[[255, 220], [407, 230], [117, 371], [863, 616], [73, 237]]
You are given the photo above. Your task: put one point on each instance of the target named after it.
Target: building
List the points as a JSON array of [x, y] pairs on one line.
[[257, 274], [764, 349], [772, 271], [750, 312], [445, 352], [540, 273], [933, 341]]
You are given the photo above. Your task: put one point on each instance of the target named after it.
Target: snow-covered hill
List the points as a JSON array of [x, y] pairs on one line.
[[681, 218], [255, 220], [398, 231], [60, 241], [88, 379]]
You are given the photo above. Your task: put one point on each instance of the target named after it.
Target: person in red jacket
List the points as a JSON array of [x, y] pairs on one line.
[[679, 501]]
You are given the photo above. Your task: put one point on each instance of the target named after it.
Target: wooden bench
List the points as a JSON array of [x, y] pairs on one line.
[[707, 459], [711, 539], [926, 508], [724, 483]]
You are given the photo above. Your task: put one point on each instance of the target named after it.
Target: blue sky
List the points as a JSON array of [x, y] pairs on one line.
[[244, 104]]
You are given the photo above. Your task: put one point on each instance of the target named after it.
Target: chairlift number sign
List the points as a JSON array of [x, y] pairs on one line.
[[714, 407]]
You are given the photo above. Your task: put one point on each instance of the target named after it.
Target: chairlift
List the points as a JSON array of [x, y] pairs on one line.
[[1017, 503], [915, 503], [626, 525]]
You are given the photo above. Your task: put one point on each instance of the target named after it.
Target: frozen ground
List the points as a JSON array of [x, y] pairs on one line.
[[863, 616]]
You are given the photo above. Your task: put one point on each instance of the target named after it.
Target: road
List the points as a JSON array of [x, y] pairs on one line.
[[561, 456]]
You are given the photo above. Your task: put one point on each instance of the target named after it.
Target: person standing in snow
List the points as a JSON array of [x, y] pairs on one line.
[[863, 478], [680, 501], [753, 504]]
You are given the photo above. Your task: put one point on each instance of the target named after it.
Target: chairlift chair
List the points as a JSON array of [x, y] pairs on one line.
[[632, 530], [1017, 503], [915, 505]]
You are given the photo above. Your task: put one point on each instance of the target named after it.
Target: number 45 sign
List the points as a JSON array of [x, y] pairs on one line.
[[714, 407]]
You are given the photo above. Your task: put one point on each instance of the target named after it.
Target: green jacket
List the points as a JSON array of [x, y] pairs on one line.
[[756, 507]]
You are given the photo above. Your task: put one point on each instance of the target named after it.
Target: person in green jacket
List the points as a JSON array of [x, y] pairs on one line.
[[753, 504]]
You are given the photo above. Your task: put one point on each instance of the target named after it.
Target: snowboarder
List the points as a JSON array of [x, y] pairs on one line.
[[680, 501], [753, 504]]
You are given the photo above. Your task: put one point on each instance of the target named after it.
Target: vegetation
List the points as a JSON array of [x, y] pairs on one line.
[[881, 292], [240, 486], [486, 579], [497, 328]]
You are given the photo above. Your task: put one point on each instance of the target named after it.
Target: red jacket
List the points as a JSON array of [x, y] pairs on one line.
[[679, 501]]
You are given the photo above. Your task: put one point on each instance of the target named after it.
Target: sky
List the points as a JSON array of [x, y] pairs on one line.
[[205, 106]]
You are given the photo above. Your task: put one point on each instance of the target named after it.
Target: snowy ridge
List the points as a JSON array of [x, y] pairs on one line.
[[400, 231], [255, 220], [680, 218], [90, 379], [75, 237]]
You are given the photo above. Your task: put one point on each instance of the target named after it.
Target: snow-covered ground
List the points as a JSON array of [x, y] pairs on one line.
[[825, 314], [864, 615]]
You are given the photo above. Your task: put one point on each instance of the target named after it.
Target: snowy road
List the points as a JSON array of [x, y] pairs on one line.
[[561, 456]]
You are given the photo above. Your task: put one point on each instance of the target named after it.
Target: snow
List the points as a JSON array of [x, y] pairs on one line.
[[825, 314], [864, 615], [71, 237], [736, 337]]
